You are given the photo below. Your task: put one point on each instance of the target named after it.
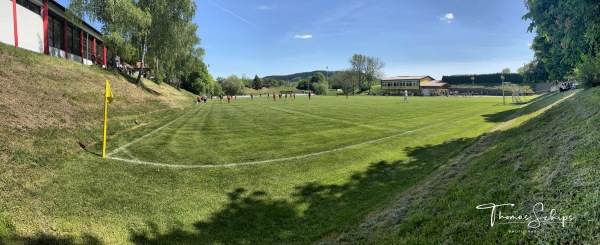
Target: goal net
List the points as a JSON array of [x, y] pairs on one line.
[[518, 96]]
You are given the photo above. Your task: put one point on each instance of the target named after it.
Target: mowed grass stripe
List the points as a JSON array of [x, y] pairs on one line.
[[123, 147], [235, 131], [470, 123]]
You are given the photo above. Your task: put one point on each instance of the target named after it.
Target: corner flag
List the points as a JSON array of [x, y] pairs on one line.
[[108, 97], [108, 93]]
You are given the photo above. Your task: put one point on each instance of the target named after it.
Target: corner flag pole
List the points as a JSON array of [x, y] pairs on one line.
[[108, 97]]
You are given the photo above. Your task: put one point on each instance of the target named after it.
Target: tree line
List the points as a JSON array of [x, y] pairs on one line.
[[487, 79], [567, 41]]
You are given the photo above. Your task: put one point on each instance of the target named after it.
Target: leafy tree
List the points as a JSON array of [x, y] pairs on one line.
[[257, 83], [343, 80], [588, 72], [320, 88], [534, 71], [246, 81], [122, 21], [232, 85], [317, 78], [505, 71], [303, 84], [366, 69], [161, 29], [373, 70], [566, 31]]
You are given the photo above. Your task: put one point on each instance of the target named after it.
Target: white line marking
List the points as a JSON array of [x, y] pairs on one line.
[[151, 133], [128, 153], [279, 159]]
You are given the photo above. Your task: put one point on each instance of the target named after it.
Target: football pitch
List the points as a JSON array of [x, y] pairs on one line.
[[260, 131], [262, 171]]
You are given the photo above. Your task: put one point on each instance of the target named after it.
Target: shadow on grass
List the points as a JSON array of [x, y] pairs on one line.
[[314, 209], [133, 80], [42, 239], [532, 106]]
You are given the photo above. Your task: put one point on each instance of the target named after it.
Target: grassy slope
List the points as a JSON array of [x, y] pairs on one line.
[[547, 156], [48, 107]]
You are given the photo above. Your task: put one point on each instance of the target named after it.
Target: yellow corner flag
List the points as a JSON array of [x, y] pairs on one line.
[[108, 93], [108, 97]]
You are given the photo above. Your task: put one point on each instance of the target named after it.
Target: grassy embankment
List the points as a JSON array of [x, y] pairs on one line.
[[548, 155], [50, 108]]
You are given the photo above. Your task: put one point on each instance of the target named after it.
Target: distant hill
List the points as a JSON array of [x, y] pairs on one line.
[[300, 75]]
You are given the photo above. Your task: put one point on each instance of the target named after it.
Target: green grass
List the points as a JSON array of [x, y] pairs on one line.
[[548, 155], [294, 201], [341, 164]]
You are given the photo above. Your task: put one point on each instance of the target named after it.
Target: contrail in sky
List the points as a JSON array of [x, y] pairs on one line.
[[231, 13]]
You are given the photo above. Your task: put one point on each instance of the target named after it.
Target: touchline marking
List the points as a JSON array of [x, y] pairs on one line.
[[136, 161], [151, 133]]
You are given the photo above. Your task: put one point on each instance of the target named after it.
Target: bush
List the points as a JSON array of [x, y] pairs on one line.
[[320, 88], [588, 72]]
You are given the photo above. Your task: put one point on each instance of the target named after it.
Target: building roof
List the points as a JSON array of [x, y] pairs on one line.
[[435, 84], [405, 78]]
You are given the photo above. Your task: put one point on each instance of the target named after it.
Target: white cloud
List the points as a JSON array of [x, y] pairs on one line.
[[264, 7], [303, 36], [448, 17]]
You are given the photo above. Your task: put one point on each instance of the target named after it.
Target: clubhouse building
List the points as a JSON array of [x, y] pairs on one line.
[[42, 26], [418, 85]]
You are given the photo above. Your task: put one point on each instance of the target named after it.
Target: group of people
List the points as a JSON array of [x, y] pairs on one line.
[[200, 99]]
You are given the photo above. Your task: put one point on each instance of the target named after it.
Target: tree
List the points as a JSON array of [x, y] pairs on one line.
[[366, 69], [232, 85], [505, 71], [317, 78], [566, 31], [343, 80], [160, 29], [257, 83], [588, 72], [122, 21], [373, 70], [303, 84], [320, 88], [534, 71]]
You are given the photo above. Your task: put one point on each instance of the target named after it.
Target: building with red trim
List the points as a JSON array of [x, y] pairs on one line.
[[42, 26]]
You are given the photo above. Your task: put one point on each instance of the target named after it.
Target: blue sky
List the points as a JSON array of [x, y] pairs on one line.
[[412, 37]]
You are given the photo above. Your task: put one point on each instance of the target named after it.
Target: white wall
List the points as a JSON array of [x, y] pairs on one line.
[[31, 29], [6, 22]]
